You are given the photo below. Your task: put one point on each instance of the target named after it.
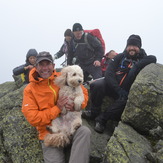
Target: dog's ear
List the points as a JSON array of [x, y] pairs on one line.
[[62, 79]]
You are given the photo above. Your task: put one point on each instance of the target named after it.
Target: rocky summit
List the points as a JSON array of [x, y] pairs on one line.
[[137, 138]]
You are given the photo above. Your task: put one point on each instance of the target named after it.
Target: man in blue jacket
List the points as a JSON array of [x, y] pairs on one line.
[[120, 74]]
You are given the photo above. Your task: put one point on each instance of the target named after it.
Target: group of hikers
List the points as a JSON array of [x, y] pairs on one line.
[[41, 103]]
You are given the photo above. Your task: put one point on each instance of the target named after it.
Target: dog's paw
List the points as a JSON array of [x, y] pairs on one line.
[[75, 125]]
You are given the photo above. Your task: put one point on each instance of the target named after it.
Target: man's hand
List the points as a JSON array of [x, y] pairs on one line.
[[28, 67], [97, 63], [70, 104], [66, 102], [61, 102]]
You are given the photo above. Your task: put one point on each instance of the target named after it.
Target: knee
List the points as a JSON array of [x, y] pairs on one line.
[[98, 84], [84, 131]]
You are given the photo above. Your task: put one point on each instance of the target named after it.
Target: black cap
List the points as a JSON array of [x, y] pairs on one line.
[[134, 40], [44, 56], [77, 27]]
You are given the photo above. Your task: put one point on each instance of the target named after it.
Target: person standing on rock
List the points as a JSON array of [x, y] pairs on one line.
[[88, 52], [120, 74], [66, 48], [41, 105]]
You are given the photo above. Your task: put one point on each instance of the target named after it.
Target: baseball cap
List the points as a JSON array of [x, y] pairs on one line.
[[44, 56]]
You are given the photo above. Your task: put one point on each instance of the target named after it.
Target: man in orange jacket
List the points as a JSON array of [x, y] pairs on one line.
[[41, 105]]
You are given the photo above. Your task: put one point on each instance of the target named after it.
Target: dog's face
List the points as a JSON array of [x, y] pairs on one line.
[[70, 75]]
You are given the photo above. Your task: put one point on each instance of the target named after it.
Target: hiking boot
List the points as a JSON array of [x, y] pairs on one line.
[[99, 127], [89, 115]]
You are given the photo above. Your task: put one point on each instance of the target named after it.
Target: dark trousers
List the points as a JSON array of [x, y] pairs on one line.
[[95, 72], [99, 89]]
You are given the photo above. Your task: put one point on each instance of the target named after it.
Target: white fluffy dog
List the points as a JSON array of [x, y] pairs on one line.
[[68, 122]]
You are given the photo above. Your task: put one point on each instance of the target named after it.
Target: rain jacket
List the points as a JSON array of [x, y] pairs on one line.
[[39, 101]]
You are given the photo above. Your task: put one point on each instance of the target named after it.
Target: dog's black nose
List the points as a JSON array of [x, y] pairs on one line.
[[79, 81]]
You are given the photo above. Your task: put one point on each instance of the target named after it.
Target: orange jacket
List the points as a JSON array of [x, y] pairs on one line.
[[39, 101]]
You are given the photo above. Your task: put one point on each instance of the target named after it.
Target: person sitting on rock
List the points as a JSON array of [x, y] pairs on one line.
[[42, 103], [105, 60], [120, 74], [24, 69]]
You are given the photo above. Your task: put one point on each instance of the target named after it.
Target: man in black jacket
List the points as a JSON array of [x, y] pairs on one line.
[[88, 51], [119, 76]]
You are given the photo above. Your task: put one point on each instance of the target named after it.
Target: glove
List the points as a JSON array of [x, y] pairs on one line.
[[123, 94]]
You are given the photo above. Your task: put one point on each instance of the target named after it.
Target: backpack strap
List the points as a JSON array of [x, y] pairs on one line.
[[86, 41]]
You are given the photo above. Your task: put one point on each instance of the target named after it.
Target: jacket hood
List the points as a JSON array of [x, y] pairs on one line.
[[31, 52]]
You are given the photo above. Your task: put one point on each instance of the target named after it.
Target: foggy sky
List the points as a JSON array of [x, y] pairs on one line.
[[40, 24]]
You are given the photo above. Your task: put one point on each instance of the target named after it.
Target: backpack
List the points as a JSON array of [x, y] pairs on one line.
[[97, 34], [19, 79]]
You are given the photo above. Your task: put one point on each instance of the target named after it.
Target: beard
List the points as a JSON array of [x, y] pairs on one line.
[[132, 54]]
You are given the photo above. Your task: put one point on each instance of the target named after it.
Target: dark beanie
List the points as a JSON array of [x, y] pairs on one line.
[[134, 40], [68, 32], [77, 27]]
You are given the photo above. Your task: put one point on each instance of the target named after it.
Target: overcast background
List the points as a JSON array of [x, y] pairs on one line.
[[40, 24]]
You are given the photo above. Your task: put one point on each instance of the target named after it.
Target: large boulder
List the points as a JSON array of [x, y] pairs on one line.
[[144, 109]]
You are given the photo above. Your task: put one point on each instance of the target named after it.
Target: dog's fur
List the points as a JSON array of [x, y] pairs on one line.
[[68, 122]]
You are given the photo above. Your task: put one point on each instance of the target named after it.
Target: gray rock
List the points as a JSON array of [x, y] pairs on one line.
[[126, 145], [144, 109], [6, 88]]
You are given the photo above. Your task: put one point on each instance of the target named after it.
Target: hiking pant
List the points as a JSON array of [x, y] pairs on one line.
[[80, 149], [94, 71], [99, 89], [113, 112]]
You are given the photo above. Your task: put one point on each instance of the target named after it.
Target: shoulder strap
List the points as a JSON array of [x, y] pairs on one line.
[[86, 41]]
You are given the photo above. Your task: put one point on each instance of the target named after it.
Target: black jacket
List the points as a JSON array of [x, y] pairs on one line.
[[87, 53], [20, 70], [67, 49], [122, 70]]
